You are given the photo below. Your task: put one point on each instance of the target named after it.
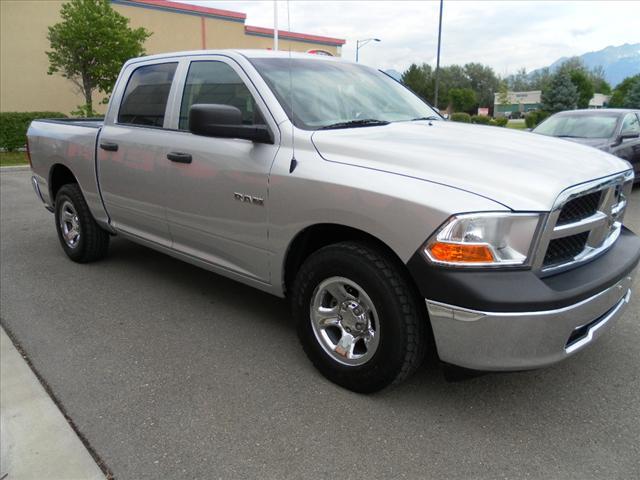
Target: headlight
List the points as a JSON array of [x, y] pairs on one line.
[[484, 239]]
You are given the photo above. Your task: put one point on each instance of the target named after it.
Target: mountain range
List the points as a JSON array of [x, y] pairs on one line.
[[618, 62]]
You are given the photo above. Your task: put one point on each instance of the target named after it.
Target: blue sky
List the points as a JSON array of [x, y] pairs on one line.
[[507, 35]]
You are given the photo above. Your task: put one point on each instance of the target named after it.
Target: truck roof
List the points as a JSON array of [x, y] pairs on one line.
[[234, 52]]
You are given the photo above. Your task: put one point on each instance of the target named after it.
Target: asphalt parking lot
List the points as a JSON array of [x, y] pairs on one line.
[[170, 371]]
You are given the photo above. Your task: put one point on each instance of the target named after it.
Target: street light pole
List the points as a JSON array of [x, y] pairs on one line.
[[435, 101], [275, 25], [362, 43]]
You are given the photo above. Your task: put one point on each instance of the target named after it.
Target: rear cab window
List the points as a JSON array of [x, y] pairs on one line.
[[144, 102]]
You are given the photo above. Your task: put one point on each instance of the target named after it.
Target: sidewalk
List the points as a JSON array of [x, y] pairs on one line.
[[36, 441]]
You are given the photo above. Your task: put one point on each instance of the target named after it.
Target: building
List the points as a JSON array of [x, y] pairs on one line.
[[25, 85], [518, 103], [524, 102], [599, 100]]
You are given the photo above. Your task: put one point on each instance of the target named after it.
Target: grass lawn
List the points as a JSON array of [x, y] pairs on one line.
[[10, 159], [517, 124]]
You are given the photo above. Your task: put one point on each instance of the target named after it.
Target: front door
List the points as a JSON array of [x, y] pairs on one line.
[[216, 195], [629, 148]]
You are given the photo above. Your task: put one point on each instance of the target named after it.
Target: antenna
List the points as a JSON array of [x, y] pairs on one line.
[[294, 162]]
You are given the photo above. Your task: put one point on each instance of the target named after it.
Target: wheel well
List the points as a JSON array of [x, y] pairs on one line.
[[60, 175], [315, 237]]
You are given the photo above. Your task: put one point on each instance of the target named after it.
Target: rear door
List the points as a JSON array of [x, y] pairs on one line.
[[132, 165], [217, 203]]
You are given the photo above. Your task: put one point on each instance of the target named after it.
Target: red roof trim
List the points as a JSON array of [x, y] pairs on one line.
[[295, 36], [191, 8]]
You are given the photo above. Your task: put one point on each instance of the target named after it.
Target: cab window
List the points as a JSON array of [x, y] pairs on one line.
[[145, 98], [630, 124], [212, 82]]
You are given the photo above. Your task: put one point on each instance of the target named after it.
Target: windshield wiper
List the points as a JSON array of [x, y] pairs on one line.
[[569, 136], [364, 122], [432, 117]]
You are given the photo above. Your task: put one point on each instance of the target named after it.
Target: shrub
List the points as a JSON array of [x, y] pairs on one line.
[[461, 117], [14, 125], [542, 116], [536, 117], [531, 119], [480, 119], [501, 121], [493, 123]]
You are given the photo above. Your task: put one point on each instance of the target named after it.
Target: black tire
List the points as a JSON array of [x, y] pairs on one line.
[[92, 242], [402, 321]]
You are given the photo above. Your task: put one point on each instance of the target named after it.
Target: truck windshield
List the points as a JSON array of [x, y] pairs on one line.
[[578, 126], [330, 94]]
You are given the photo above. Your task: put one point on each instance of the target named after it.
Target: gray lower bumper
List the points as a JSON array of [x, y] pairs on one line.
[[523, 340]]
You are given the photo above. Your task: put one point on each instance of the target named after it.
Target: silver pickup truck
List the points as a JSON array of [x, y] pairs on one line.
[[390, 230]]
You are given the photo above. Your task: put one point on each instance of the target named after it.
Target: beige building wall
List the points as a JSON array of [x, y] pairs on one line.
[[172, 32], [25, 85]]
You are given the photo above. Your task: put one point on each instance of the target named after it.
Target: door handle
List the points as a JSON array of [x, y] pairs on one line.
[[179, 157], [110, 147]]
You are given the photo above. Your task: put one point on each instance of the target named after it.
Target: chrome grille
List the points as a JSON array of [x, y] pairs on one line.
[[580, 208], [585, 221], [564, 249]]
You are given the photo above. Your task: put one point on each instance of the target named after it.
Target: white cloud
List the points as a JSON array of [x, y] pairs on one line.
[[506, 35]]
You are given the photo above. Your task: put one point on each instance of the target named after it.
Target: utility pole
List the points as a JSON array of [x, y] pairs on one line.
[[435, 101], [275, 25]]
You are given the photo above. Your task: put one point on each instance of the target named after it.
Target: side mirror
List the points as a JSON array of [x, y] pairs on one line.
[[224, 121], [624, 136]]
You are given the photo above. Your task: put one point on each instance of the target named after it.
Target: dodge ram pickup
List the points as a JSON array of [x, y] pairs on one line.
[[390, 230]]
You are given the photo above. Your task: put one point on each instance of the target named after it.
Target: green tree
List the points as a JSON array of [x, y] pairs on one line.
[[540, 79], [90, 45], [483, 81], [570, 65], [452, 76], [503, 94], [462, 99], [520, 81], [561, 94], [618, 98], [598, 78], [585, 88], [419, 79], [632, 98]]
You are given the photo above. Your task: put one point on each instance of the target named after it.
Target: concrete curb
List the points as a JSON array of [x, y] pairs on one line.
[[15, 168], [37, 441]]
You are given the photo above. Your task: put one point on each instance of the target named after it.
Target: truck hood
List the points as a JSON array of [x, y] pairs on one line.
[[517, 169]]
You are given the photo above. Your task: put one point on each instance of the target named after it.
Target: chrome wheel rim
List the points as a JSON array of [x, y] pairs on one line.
[[345, 321], [69, 224]]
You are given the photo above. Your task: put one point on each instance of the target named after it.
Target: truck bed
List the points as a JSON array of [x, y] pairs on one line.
[[60, 144], [81, 122]]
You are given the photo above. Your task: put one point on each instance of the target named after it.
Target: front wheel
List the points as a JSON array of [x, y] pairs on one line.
[[81, 237], [359, 317]]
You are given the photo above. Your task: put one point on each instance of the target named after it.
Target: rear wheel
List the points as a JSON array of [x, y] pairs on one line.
[[81, 237], [358, 316]]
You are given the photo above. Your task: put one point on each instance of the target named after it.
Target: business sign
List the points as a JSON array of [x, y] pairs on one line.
[[484, 111], [320, 52]]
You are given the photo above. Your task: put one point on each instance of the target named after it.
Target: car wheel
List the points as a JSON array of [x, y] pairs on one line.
[[359, 316], [81, 237]]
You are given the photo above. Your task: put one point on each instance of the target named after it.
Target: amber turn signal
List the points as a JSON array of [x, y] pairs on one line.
[[460, 253]]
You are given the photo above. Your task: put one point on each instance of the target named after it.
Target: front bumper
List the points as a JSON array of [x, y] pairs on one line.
[[515, 320], [521, 340]]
